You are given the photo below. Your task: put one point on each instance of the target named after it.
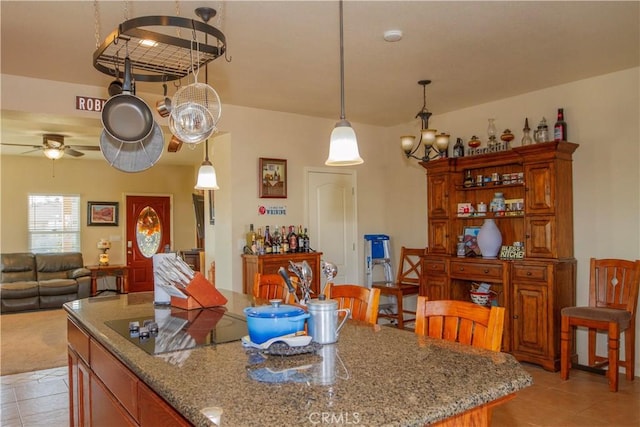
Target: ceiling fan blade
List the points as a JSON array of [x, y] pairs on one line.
[[31, 151], [20, 145], [73, 153], [84, 147]]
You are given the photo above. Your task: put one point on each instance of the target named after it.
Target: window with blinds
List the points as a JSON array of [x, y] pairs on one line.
[[54, 223]]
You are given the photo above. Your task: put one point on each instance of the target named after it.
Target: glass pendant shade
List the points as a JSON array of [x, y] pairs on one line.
[[442, 142], [428, 137], [407, 143], [343, 145], [207, 179], [343, 148], [53, 153]]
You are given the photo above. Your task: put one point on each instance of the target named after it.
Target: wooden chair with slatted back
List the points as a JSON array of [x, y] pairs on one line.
[[272, 286], [461, 321], [363, 302], [613, 299], [407, 283]]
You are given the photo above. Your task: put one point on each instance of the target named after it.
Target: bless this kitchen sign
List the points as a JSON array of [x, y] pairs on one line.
[[86, 103]]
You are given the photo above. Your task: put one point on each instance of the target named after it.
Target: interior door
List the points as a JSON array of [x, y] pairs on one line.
[[148, 231], [332, 220]]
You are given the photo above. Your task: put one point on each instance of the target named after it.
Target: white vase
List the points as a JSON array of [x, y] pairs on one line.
[[489, 239]]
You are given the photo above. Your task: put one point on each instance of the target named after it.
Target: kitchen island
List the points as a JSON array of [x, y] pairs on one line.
[[373, 376]]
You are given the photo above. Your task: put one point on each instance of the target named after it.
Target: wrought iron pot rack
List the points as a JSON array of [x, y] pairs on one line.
[[168, 58]]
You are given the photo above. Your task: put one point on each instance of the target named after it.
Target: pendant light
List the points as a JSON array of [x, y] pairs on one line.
[[207, 179], [343, 147], [435, 146]]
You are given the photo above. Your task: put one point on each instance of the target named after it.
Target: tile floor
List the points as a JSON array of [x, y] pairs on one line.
[[41, 399]]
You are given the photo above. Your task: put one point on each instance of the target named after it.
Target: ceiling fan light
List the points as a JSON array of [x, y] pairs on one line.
[[53, 153], [207, 179], [343, 147]]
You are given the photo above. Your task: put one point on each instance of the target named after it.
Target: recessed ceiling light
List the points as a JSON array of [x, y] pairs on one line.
[[393, 35]]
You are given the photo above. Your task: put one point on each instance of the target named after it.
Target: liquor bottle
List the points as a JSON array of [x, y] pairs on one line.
[[300, 239], [260, 241], [277, 242], [268, 243], [254, 245], [285, 241], [458, 148], [306, 240], [251, 236], [468, 179], [560, 128], [293, 239]]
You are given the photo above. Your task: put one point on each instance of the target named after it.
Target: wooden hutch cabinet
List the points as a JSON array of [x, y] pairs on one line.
[[533, 289]]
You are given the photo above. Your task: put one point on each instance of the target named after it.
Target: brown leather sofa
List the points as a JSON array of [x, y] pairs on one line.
[[41, 281]]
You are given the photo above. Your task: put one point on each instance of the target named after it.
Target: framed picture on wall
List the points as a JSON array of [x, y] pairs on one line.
[[273, 178], [102, 213]]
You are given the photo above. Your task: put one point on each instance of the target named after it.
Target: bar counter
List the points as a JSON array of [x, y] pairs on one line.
[[373, 376]]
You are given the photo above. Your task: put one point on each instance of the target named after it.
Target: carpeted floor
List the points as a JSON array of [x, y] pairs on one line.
[[32, 341]]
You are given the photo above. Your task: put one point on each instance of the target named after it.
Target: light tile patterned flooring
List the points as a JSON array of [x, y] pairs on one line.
[[41, 399]]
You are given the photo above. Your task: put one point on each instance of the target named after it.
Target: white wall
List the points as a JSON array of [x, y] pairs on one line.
[[303, 141]]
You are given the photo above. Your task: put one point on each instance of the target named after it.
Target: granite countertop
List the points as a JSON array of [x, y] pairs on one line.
[[373, 376]]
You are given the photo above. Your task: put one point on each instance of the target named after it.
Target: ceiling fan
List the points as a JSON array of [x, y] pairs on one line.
[[54, 148]]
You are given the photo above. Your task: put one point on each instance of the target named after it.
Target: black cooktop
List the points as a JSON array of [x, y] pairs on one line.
[[172, 329]]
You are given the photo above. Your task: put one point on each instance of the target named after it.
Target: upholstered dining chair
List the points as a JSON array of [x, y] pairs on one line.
[[613, 299], [272, 286], [407, 283], [363, 302], [461, 321]]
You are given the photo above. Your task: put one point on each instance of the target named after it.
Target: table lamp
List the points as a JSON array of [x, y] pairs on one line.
[[104, 245]]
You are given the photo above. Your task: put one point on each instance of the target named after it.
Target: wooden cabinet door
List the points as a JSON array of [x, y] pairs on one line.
[[541, 237], [436, 287], [438, 236], [106, 411], [79, 392], [540, 188], [119, 380], [155, 412], [530, 314], [438, 196]]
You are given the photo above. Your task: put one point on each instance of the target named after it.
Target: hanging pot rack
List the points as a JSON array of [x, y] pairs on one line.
[[168, 58]]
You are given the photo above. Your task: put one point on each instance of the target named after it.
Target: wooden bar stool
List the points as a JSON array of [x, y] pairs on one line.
[[613, 298], [461, 321], [363, 302], [272, 286], [407, 283]]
